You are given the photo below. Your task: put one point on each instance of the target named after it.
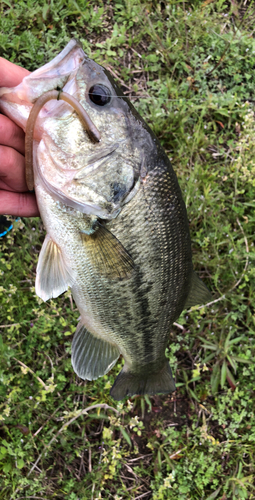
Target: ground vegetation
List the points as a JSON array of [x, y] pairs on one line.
[[188, 67]]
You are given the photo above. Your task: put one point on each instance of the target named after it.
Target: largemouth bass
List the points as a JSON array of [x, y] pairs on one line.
[[117, 227]]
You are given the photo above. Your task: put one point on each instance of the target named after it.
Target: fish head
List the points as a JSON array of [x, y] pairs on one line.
[[94, 178]]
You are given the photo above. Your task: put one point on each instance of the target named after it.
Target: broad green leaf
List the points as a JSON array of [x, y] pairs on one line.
[[125, 435], [193, 394], [230, 376], [7, 467], [210, 346], [242, 360], [45, 10], [148, 401], [215, 378], [3, 451], [168, 459], [227, 341], [159, 459], [232, 362], [236, 340], [20, 463], [223, 374]]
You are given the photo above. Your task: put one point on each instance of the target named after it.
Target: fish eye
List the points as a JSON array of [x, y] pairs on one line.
[[99, 95]]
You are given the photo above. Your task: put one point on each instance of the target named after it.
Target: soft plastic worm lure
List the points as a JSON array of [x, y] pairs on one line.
[[89, 126]]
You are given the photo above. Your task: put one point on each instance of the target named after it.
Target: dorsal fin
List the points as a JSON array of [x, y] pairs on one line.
[[198, 294]]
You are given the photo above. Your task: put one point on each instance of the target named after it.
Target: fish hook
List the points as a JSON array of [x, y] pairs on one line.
[[89, 126]]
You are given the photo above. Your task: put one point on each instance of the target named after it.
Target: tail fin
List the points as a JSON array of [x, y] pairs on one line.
[[130, 383]]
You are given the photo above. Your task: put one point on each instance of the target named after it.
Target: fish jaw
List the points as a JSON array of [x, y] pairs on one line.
[[54, 74], [17, 102], [15, 108]]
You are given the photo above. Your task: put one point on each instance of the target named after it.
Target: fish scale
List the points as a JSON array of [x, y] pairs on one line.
[[116, 223]]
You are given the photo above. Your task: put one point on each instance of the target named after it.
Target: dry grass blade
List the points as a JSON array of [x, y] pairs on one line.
[[8, 326], [143, 495], [36, 498], [46, 387], [64, 427]]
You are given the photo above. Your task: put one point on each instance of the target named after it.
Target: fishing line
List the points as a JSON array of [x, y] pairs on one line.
[[89, 126], [141, 97], [179, 100]]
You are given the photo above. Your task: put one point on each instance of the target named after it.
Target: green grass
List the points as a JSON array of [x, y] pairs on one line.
[[189, 67]]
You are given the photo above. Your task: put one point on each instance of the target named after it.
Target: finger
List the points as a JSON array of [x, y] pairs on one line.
[[12, 170], [18, 204], [11, 74], [11, 135]]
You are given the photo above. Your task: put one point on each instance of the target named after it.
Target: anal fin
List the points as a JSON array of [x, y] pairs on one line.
[[53, 275], [92, 357], [198, 294]]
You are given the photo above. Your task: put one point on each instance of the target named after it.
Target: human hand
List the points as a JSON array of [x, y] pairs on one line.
[[15, 199]]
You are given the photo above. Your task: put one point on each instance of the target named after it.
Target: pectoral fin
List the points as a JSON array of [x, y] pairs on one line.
[[92, 357], [108, 256], [198, 294], [53, 275]]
